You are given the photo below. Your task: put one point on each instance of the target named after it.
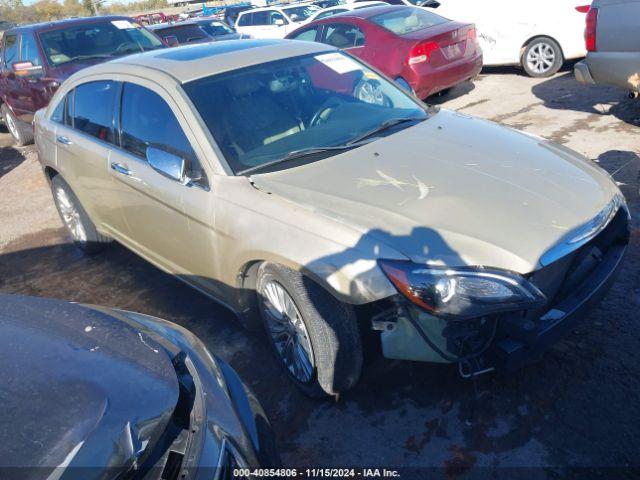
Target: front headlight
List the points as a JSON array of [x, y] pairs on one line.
[[462, 293]]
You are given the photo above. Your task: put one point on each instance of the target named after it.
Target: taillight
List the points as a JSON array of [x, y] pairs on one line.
[[471, 34], [583, 8], [422, 52], [590, 30]]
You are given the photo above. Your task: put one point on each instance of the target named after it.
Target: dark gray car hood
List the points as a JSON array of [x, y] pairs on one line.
[[79, 387]]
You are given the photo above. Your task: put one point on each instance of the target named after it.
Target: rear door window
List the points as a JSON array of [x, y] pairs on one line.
[[260, 18], [343, 35], [10, 55], [93, 109]]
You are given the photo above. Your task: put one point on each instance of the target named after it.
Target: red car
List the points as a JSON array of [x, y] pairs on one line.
[[419, 49], [37, 58]]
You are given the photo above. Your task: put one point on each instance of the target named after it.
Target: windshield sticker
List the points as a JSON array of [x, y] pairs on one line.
[[338, 63], [122, 24]]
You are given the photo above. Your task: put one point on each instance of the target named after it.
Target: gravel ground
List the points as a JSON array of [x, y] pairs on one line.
[[576, 413]]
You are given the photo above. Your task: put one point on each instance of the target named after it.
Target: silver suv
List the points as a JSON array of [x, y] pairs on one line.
[[298, 186], [612, 37]]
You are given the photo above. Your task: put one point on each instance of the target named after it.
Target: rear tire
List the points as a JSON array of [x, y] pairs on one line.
[[82, 230], [542, 57], [320, 326], [21, 132]]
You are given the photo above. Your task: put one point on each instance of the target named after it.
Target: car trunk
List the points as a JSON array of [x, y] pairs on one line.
[[454, 41]]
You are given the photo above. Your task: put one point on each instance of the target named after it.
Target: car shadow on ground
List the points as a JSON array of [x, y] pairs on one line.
[[517, 70], [457, 91], [10, 158], [562, 92]]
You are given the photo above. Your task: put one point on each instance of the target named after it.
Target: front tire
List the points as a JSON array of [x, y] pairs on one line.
[[20, 131], [82, 230], [314, 336], [542, 57]]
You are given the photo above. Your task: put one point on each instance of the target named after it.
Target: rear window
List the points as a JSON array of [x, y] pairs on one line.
[[217, 28], [97, 40], [407, 20], [184, 34]]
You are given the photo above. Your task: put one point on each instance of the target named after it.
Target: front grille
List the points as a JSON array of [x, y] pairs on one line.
[[559, 279]]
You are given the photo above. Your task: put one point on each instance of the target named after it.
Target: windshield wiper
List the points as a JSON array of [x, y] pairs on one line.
[[384, 126], [297, 154], [87, 57]]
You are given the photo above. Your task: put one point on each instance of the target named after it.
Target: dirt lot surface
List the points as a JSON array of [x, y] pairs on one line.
[[576, 413]]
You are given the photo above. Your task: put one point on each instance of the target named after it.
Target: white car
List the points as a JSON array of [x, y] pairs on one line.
[[539, 35], [274, 22], [347, 7]]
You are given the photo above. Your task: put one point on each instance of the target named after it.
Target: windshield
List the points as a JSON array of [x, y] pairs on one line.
[[263, 113], [95, 40], [299, 14], [217, 28], [407, 20]]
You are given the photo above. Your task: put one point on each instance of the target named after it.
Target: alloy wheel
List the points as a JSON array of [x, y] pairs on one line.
[[11, 125], [70, 216], [371, 93], [541, 58], [288, 331]]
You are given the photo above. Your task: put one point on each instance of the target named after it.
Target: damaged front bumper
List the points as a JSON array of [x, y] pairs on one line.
[[507, 342]]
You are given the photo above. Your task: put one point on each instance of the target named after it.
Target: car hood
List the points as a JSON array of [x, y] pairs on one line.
[[454, 190], [228, 36], [64, 71], [79, 388]]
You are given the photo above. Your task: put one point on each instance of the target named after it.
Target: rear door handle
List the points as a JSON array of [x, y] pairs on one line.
[[120, 168], [64, 140]]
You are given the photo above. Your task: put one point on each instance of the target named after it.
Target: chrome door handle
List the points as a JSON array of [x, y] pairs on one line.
[[64, 140], [120, 168]]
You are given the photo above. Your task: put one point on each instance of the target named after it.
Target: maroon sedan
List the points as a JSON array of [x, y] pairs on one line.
[[419, 49], [37, 58]]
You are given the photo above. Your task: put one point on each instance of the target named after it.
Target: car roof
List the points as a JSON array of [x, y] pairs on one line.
[[368, 12], [163, 26], [278, 7], [190, 62], [69, 22]]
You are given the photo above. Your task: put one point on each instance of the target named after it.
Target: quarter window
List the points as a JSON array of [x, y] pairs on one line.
[[93, 109], [10, 50], [147, 120], [343, 35], [58, 114], [308, 35]]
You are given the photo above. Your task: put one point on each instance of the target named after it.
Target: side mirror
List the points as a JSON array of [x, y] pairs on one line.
[[279, 22], [170, 165], [172, 41], [429, 3], [24, 69]]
